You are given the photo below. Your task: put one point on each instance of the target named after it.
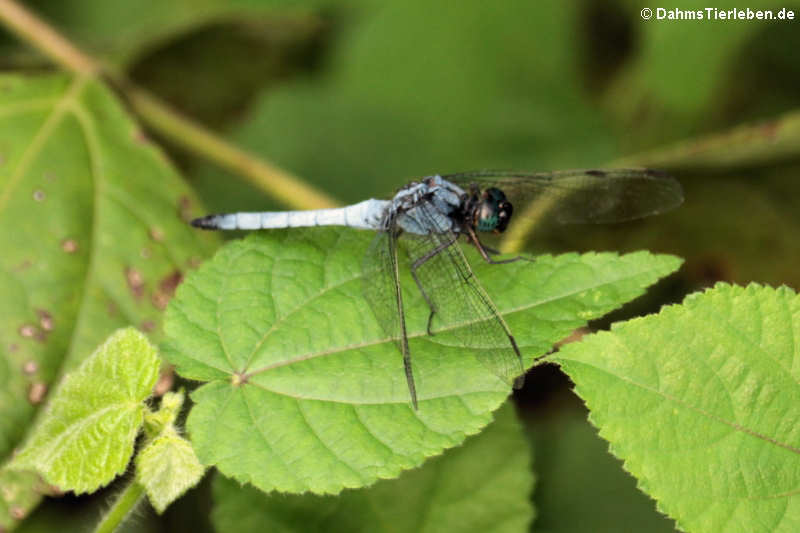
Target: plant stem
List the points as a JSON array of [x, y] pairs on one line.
[[37, 32], [126, 502], [179, 129], [747, 145]]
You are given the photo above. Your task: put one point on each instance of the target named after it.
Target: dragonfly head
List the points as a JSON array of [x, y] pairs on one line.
[[493, 211]]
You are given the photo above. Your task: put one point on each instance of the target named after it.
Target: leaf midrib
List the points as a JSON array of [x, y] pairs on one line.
[[92, 146], [26, 106], [59, 443], [451, 327]]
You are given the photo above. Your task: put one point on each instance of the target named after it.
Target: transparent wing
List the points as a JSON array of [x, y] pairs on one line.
[[581, 196], [464, 315], [381, 288]]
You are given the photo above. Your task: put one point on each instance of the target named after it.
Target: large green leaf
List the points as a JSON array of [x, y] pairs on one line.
[[305, 391], [483, 485], [702, 402], [90, 232], [85, 439]]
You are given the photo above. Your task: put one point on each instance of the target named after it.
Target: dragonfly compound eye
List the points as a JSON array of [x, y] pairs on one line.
[[494, 211]]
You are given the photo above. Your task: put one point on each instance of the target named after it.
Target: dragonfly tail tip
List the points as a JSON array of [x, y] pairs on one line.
[[206, 222]]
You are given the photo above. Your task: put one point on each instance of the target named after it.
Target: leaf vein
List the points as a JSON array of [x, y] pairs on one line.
[[260, 432], [301, 305], [324, 444], [698, 410]]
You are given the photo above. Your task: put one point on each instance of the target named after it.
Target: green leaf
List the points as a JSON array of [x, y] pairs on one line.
[[305, 391], [20, 491], [167, 467], [484, 486], [702, 403], [86, 436], [91, 235]]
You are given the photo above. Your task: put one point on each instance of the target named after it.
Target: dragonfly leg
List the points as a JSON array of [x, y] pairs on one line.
[[491, 251], [418, 263], [409, 371], [487, 252], [412, 389]]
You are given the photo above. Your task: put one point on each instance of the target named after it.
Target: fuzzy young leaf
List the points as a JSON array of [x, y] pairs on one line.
[[702, 402], [482, 486], [306, 392], [167, 467], [86, 437], [157, 422]]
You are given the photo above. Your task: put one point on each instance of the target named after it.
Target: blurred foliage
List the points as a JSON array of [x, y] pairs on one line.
[[468, 86], [148, 24], [359, 96], [286, 44]]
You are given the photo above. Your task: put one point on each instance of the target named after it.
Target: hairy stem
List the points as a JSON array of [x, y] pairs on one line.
[[126, 502], [179, 129]]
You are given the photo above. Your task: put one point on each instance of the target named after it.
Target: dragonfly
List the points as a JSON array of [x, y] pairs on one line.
[[420, 228]]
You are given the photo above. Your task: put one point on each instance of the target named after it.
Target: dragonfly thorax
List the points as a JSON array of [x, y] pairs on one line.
[[433, 205], [492, 211]]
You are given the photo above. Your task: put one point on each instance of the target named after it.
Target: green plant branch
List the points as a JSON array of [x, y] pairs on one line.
[[746, 145], [174, 126], [126, 502], [37, 32]]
